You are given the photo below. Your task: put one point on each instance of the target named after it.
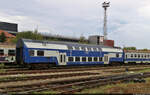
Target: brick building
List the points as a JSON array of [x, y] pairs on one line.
[[8, 35]]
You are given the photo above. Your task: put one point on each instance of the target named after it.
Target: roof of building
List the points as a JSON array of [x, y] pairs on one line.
[[137, 51], [8, 35]]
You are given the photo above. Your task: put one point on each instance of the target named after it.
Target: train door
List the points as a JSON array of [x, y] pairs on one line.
[[62, 58], [106, 59]]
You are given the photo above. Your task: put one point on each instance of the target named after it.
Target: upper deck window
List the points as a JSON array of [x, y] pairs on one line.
[[80, 48], [89, 49], [73, 47], [77, 48], [86, 49], [97, 49], [83, 48]]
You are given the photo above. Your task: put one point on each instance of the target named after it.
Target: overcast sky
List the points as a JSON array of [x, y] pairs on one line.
[[128, 20]]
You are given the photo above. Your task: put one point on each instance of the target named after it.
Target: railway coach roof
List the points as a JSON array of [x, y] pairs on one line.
[[57, 44]]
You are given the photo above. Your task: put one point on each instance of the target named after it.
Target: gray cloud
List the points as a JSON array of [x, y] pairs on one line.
[[128, 20]]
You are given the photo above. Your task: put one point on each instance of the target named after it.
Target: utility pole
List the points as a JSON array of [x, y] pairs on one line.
[[105, 5]]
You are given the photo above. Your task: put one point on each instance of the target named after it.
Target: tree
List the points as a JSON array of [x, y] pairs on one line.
[[2, 37], [129, 48], [144, 49], [34, 35], [83, 40]]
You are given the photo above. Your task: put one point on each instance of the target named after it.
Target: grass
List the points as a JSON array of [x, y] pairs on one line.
[[22, 76], [45, 92], [144, 70], [2, 65], [2, 70], [121, 88]]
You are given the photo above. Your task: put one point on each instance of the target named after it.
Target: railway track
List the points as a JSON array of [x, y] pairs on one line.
[[67, 86], [76, 85], [53, 70], [50, 76]]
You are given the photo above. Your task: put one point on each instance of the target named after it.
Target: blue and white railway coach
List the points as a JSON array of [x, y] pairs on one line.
[[65, 53], [136, 56]]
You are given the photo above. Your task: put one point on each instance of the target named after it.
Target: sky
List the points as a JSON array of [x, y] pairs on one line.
[[128, 20]]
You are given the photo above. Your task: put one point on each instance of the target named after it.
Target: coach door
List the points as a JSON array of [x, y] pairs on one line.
[[62, 59], [106, 59]]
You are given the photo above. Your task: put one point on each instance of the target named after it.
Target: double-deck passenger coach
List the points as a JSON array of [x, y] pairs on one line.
[[65, 53]]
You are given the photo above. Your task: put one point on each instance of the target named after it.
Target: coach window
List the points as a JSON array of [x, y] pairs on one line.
[[83, 48], [80, 48], [11, 52], [131, 55], [97, 49], [100, 59], [77, 58], [40, 53], [89, 59], [86, 49], [138, 55], [135, 55], [145, 55], [84, 59], [77, 48], [31, 52], [73, 47], [117, 55], [142, 55], [89, 49], [92, 49], [70, 59], [95, 58], [1, 52]]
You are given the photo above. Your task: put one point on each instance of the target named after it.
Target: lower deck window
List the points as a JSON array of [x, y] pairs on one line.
[[11, 52], [70, 59], [95, 58], [40, 53], [126, 56], [84, 59], [117, 55], [89, 59], [1, 52], [77, 58], [100, 59]]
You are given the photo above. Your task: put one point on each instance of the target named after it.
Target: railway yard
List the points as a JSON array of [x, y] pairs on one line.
[[74, 80]]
